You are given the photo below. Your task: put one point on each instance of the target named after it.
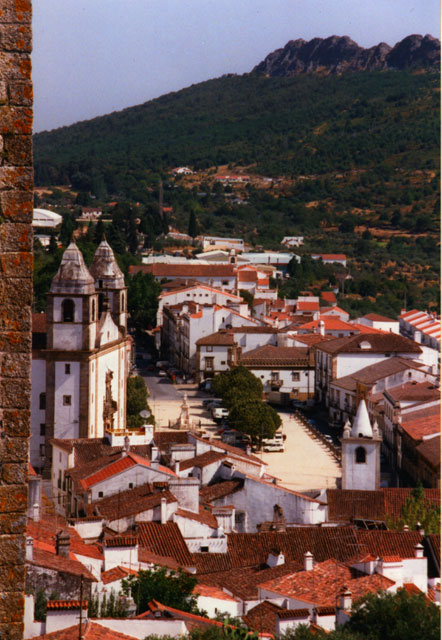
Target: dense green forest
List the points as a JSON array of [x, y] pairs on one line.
[[364, 120], [353, 162]]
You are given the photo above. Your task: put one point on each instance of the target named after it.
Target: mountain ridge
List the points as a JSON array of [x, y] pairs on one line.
[[340, 54]]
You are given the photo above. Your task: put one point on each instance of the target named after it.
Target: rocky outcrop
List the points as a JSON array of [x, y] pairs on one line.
[[338, 54]]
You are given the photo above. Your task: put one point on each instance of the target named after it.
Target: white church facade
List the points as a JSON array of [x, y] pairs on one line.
[[79, 372]]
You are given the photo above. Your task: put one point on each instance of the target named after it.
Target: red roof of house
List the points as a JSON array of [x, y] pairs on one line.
[[204, 516], [191, 619], [328, 296], [165, 540], [210, 591], [91, 631], [331, 324], [419, 424], [124, 463], [377, 318], [330, 256], [305, 305], [66, 604], [117, 573]]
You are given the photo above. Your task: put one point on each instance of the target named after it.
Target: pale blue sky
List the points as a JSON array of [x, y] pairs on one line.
[[92, 57]]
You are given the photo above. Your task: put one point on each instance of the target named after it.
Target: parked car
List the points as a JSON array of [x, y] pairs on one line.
[[162, 373], [274, 446], [220, 413], [328, 438]]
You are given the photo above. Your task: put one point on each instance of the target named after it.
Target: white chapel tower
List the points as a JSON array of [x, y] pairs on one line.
[[79, 375], [361, 453]]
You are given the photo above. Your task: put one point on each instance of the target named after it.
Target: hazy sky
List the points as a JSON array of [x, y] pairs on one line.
[[92, 57]]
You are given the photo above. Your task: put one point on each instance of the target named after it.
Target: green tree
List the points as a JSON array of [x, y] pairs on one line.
[[193, 224], [136, 400], [255, 418], [395, 616], [40, 605], [171, 588], [237, 378], [417, 510], [248, 297], [142, 300]]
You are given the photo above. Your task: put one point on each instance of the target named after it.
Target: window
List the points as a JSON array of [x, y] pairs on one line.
[[122, 302], [131, 485], [223, 362], [295, 376], [100, 284], [68, 309], [93, 311], [360, 455], [204, 549], [209, 349], [209, 364], [42, 428], [42, 401], [67, 369], [67, 401], [100, 494]]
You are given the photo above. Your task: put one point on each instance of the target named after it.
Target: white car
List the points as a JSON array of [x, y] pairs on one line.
[[220, 413]]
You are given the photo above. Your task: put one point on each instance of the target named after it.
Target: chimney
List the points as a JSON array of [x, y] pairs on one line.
[[36, 511], [405, 527], [29, 548], [34, 498], [63, 544], [177, 467], [420, 528], [308, 561], [163, 510], [321, 328], [155, 454], [345, 599], [418, 551], [126, 446], [418, 337]]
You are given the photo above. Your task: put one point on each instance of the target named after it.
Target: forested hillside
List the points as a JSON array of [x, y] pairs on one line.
[[289, 126]]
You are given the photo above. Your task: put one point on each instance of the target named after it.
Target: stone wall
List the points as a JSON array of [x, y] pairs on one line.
[[16, 204]]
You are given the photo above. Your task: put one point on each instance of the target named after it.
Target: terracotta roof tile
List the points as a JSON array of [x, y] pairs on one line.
[[219, 338], [330, 256], [121, 541], [377, 318], [388, 543], [210, 591], [117, 573], [328, 296], [118, 466], [91, 631], [203, 460], [213, 492], [66, 604], [262, 618], [204, 516], [270, 355], [422, 423], [377, 343], [417, 391], [430, 451], [131, 502], [320, 585], [58, 563], [192, 620], [165, 540]]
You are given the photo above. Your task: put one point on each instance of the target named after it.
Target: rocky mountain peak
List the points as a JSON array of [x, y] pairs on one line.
[[338, 54]]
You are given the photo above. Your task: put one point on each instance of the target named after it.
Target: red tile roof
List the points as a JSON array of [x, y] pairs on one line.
[[262, 618], [131, 502], [66, 604], [192, 620], [203, 460], [117, 573], [219, 338], [377, 318], [49, 560], [210, 591], [328, 296], [45, 529], [330, 256], [213, 492], [121, 541], [165, 540], [376, 343], [422, 423], [320, 585], [305, 305], [388, 543], [91, 631], [270, 356], [122, 464], [38, 323], [204, 516], [414, 391], [330, 324]]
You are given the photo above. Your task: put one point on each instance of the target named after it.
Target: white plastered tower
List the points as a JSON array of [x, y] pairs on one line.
[[361, 453]]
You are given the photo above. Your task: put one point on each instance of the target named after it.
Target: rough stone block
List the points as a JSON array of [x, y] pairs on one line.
[[17, 11], [14, 450], [19, 319], [15, 341], [15, 292], [14, 473], [16, 205], [3, 92], [16, 265], [15, 237], [11, 523], [15, 37], [15, 67], [15, 393], [11, 606], [15, 120], [13, 499], [11, 631], [20, 93], [19, 178], [16, 421], [18, 150], [11, 577], [12, 366]]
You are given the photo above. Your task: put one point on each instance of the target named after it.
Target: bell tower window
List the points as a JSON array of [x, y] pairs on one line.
[[93, 311], [68, 309], [360, 455], [122, 302]]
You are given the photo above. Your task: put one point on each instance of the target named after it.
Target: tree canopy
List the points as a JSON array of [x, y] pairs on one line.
[[136, 400], [171, 588], [417, 510], [238, 378], [142, 300]]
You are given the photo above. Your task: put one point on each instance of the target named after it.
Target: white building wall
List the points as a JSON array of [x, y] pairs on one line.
[[348, 363], [140, 629], [62, 619], [213, 606], [362, 475], [68, 335], [120, 556], [32, 628], [66, 416], [192, 528], [38, 416], [136, 476], [115, 360], [304, 386]]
